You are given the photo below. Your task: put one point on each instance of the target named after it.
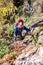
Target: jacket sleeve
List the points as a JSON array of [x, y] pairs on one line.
[[15, 32], [27, 29]]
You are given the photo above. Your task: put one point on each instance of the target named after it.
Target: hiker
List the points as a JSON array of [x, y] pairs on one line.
[[20, 30]]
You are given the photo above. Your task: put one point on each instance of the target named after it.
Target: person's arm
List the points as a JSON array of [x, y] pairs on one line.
[[15, 31], [28, 30]]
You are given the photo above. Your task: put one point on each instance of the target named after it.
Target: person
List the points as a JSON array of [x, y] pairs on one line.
[[20, 30]]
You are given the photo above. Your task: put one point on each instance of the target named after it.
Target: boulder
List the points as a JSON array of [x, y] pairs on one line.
[[32, 59], [6, 63], [40, 39]]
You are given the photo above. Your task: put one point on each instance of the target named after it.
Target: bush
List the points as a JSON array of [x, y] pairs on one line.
[[3, 48], [11, 30]]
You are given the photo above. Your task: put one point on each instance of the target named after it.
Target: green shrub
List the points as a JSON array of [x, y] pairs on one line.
[[3, 48], [11, 30]]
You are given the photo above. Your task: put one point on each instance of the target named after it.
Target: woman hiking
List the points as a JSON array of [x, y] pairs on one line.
[[20, 30]]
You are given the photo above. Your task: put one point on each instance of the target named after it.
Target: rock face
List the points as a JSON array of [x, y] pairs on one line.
[[6, 63], [40, 39], [35, 7], [32, 59]]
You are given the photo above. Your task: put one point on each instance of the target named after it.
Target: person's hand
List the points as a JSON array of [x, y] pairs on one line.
[[29, 33], [23, 32]]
